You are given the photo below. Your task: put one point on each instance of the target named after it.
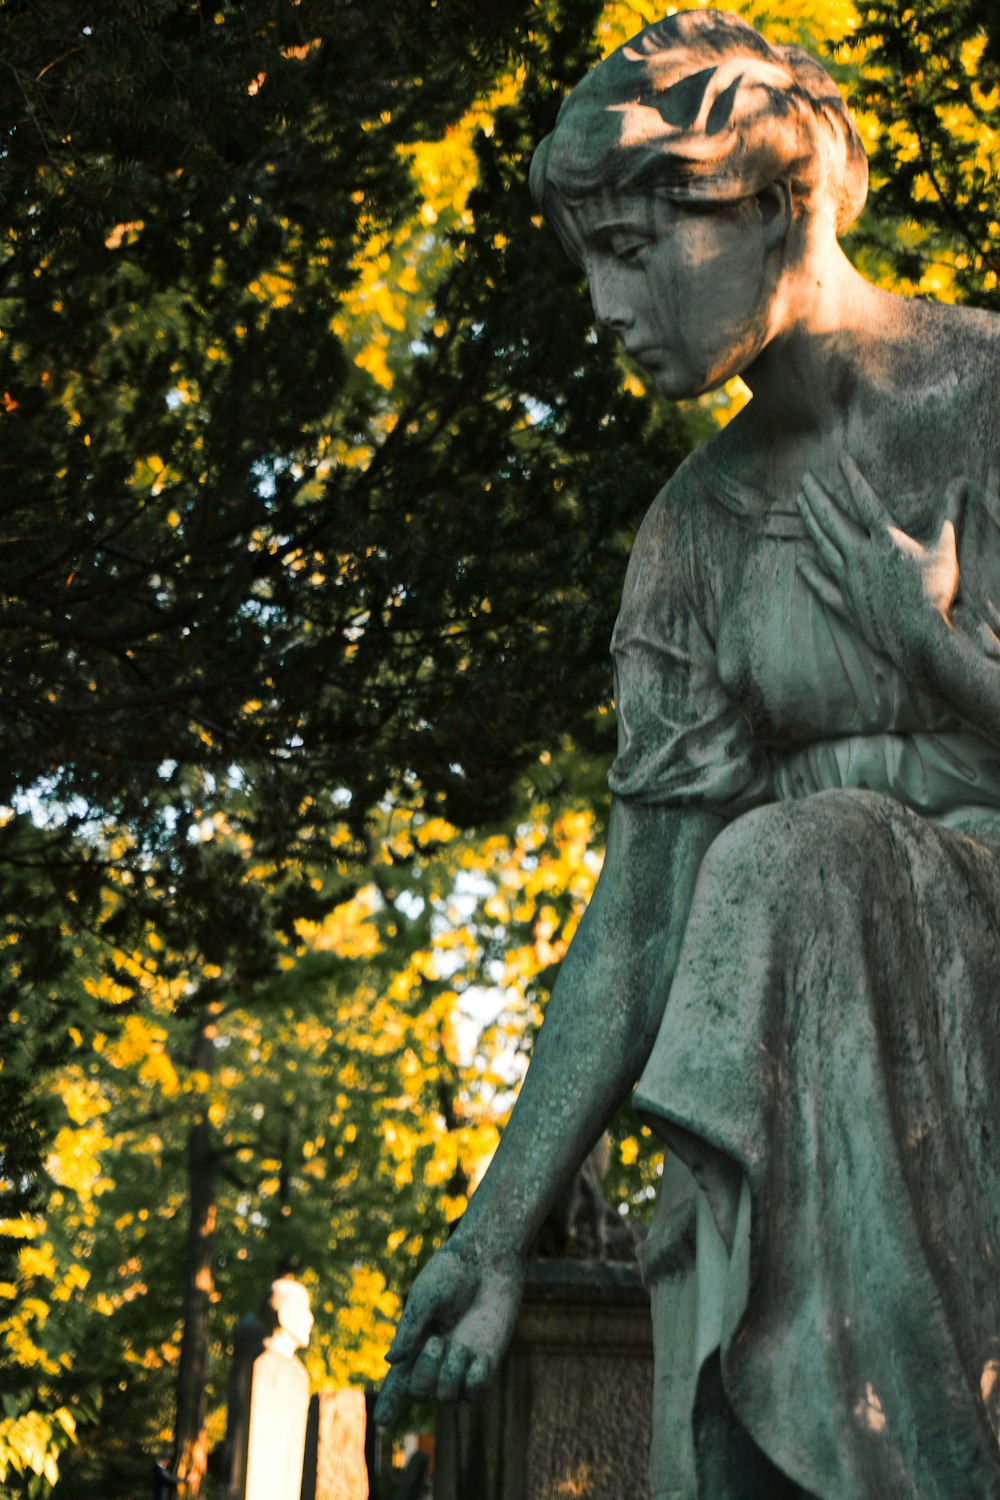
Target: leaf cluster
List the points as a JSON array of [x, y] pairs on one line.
[[207, 605], [931, 81]]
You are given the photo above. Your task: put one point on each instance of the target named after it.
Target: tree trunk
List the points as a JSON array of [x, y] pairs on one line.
[[190, 1438]]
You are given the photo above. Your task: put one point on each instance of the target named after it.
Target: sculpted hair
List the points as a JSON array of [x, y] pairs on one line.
[[699, 107]]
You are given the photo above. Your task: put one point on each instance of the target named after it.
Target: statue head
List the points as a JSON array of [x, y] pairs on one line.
[[701, 109], [701, 177], [288, 1315]]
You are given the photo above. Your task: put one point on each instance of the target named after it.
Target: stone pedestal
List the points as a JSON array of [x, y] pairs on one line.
[[335, 1466], [570, 1412], [279, 1404], [269, 1398]]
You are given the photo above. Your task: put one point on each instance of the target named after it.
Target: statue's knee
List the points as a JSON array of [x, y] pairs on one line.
[[778, 853], [749, 850]]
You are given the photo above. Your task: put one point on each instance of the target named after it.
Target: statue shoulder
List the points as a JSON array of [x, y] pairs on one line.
[[663, 563], [975, 359], [674, 506], [963, 343]]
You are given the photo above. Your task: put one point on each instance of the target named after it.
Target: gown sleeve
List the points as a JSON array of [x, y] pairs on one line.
[[681, 738]]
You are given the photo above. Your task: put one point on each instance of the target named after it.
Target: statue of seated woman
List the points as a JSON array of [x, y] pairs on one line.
[[793, 953]]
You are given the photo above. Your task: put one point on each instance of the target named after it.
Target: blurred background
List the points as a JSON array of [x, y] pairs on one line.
[[318, 487]]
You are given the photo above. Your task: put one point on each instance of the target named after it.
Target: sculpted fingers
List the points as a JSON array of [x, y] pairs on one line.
[[443, 1371], [454, 1330], [424, 1375], [451, 1380], [440, 1294], [835, 535], [822, 586], [829, 519], [391, 1397], [954, 509], [868, 506], [478, 1377], [416, 1315], [954, 502]]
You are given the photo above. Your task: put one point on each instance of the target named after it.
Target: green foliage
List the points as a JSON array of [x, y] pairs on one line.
[[931, 81], [319, 493], [207, 596], [351, 1108], [242, 576]]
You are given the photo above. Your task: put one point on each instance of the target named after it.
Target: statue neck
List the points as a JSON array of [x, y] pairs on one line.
[[828, 324], [281, 1342]]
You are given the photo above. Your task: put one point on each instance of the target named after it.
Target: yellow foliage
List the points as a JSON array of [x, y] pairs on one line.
[[21, 1228], [364, 1328], [82, 1098], [136, 1040], [372, 359], [105, 988], [348, 931], [75, 1279], [31, 1442], [435, 831], [629, 1150], [37, 1261], [126, 233], [273, 288], [74, 1161], [158, 1071]]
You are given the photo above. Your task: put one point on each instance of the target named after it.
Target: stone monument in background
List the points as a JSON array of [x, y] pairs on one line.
[[571, 1410], [336, 1464], [269, 1399]]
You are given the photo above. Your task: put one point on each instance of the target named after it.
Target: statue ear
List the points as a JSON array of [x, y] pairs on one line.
[[775, 205]]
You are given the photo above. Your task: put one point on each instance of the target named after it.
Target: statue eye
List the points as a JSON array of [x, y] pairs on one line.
[[630, 248]]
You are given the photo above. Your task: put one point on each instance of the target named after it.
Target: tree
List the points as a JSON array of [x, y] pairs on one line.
[[282, 611], [261, 628], [279, 613], [285, 597], [930, 83], [342, 1119]]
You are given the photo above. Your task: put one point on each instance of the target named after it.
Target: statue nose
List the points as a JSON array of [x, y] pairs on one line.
[[617, 321], [614, 315], [611, 309]]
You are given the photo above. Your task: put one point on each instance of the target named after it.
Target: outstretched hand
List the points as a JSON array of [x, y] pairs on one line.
[[895, 590], [455, 1328]]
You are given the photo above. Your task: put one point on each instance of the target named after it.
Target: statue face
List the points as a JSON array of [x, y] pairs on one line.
[[290, 1303], [687, 289]]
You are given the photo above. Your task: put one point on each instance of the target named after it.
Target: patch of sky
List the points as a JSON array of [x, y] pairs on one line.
[[537, 412], [263, 473], [410, 904], [478, 1009], [41, 803]]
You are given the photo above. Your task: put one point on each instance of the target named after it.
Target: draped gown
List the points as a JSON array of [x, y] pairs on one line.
[[833, 1026]]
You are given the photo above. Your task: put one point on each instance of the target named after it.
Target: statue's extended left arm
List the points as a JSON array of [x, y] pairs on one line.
[[599, 1028]]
